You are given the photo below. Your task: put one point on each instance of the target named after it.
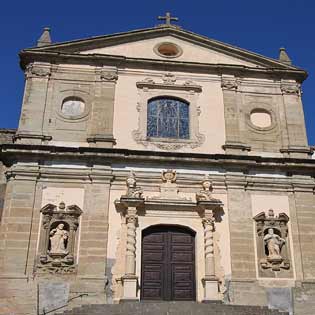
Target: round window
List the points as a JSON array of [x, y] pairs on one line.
[[168, 50], [260, 118], [73, 107]]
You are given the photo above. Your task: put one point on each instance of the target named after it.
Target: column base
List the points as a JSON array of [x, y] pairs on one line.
[[211, 286], [130, 288]]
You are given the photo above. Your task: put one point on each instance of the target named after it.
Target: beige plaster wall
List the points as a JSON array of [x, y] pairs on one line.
[[210, 101], [191, 52], [70, 196]]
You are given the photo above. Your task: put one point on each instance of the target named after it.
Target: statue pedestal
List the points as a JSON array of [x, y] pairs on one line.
[[130, 287], [211, 286]]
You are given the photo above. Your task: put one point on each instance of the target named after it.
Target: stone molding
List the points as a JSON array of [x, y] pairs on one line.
[[63, 260], [188, 91], [20, 135], [100, 138], [28, 56]]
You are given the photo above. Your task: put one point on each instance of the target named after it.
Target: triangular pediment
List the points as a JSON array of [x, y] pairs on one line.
[[142, 44]]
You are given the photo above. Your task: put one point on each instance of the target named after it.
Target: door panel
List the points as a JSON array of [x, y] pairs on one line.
[[168, 264]]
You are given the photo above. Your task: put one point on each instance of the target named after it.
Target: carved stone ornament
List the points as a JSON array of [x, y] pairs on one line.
[[169, 78], [57, 238], [294, 89], [169, 176], [272, 232], [229, 84], [132, 190], [205, 193], [168, 189], [37, 71], [108, 75]]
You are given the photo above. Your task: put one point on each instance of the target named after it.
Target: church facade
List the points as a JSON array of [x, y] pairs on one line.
[[157, 164]]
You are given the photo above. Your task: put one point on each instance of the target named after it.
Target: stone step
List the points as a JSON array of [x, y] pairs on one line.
[[170, 308]]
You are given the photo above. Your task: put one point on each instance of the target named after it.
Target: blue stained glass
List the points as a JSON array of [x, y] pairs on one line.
[[152, 126], [168, 118], [183, 129], [152, 109]]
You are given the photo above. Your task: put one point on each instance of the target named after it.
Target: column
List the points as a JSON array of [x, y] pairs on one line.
[[131, 221], [130, 279], [210, 280]]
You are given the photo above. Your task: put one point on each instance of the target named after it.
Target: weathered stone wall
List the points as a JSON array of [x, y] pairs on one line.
[[47, 86], [25, 196]]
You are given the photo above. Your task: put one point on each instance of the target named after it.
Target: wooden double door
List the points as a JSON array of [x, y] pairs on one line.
[[168, 264]]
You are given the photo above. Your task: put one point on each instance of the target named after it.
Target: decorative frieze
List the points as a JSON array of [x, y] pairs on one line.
[[272, 240], [57, 239]]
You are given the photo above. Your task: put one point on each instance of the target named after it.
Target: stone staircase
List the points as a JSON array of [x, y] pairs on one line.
[[170, 308]]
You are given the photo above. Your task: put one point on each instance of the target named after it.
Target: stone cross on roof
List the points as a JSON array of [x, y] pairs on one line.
[[168, 19]]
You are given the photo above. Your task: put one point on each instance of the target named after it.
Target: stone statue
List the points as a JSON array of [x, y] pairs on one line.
[[274, 244], [132, 190], [58, 238], [205, 193]]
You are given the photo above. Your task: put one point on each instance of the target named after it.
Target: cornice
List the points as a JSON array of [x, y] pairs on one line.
[[121, 62], [12, 153], [163, 30]]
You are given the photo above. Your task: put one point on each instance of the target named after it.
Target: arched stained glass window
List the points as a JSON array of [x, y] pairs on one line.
[[168, 118]]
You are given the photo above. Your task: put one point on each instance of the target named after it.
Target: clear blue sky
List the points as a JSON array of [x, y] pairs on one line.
[[260, 26]]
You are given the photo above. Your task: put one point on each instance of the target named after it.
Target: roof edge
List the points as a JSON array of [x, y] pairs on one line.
[[95, 41]]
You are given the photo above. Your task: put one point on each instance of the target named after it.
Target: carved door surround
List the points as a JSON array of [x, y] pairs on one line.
[[131, 206], [58, 236], [187, 91]]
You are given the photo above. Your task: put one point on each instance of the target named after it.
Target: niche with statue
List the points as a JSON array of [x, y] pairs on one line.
[[58, 238], [273, 245]]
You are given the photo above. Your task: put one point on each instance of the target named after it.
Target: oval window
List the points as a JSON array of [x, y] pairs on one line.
[[260, 118], [73, 107], [168, 50]]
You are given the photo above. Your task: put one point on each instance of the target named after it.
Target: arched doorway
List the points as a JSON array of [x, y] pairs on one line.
[[168, 263]]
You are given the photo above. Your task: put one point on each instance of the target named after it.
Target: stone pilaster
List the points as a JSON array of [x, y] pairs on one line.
[[298, 146], [241, 229], [30, 130], [100, 132], [233, 142]]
